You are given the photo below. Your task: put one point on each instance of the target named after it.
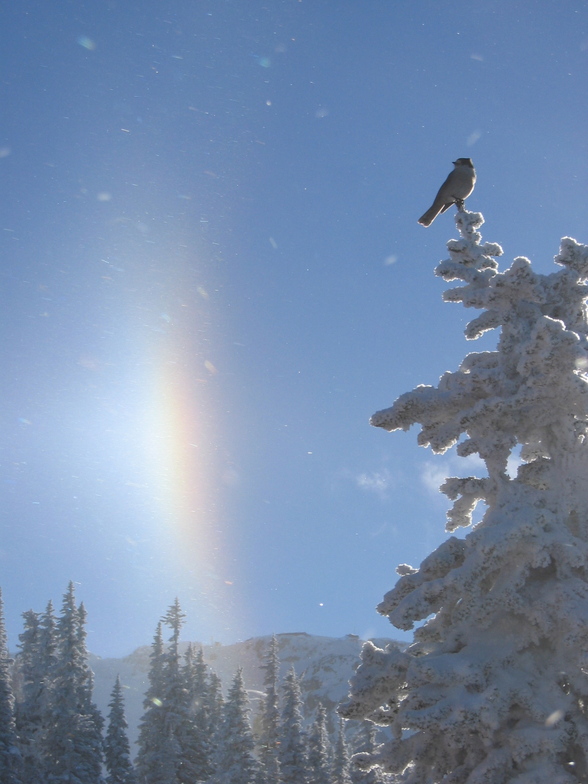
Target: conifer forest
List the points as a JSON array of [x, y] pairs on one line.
[[192, 729]]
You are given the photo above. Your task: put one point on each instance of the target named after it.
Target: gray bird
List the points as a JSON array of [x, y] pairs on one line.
[[456, 188]]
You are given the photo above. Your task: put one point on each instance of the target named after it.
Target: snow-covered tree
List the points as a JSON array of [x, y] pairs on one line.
[[341, 758], [319, 749], [292, 754], [72, 739], [214, 704], [89, 708], [235, 760], [174, 739], [193, 735], [494, 688], [270, 716], [117, 755], [29, 708], [47, 641], [35, 664], [10, 758], [152, 763], [365, 743], [159, 760], [174, 697]]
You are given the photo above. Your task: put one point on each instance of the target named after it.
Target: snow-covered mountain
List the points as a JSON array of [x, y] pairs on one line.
[[324, 664]]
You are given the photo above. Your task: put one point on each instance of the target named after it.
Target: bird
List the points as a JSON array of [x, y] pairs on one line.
[[456, 188]]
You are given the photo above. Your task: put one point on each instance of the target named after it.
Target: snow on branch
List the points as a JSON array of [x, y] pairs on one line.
[[535, 379], [494, 688]]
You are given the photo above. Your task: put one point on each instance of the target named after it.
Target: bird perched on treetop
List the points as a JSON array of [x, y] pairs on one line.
[[456, 188]]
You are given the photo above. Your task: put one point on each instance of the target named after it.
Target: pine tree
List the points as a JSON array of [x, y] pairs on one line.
[[173, 683], [72, 742], [48, 639], [194, 739], [341, 761], [319, 749], [29, 706], [292, 754], [495, 686], [365, 746], [90, 709], [174, 697], [10, 758], [235, 760], [35, 663], [153, 758], [270, 716], [214, 710], [214, 704], [117, 755], [169, 744]]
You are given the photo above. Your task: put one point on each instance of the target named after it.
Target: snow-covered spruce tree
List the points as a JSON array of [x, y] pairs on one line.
[[175, 730], [214, 710], [193, 735], [161, 758], [174, 697], [10, 758], [270, 715], [35, 664], [494, 688], [31, 673], [365, 742], [117, 755], [319, 749], [341, 758], [235, 760], [152, 759], [72, 738], [292, 754], [86, 688]]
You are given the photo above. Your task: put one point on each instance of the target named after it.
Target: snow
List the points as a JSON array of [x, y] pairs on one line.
[[494, 686]]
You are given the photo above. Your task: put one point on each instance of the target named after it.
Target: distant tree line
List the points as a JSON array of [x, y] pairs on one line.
[[51, 731]]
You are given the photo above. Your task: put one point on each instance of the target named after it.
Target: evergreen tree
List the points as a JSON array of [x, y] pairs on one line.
[[169, 751], [194, 740], [72, 742], [319, 749], [270, 716], [47, 658], [214, 712], [117, 755], [36, 664], [292, 754], [29, 706], [341, 760], [86, 688], [495, 686], [235, 760], [174, 697], [153, 758], [214, 704], [364, 748], [173, 683], [10, 758], [47, 641]]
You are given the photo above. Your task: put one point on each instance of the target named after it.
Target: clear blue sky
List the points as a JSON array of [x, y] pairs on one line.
[[212, 275]]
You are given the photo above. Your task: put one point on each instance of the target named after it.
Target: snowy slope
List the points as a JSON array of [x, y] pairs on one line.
[[325, 664]]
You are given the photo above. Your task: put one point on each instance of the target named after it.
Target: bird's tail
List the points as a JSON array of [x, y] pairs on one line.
[[430, 215]]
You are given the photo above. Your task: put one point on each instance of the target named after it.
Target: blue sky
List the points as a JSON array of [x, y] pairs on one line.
[[213, 275]]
